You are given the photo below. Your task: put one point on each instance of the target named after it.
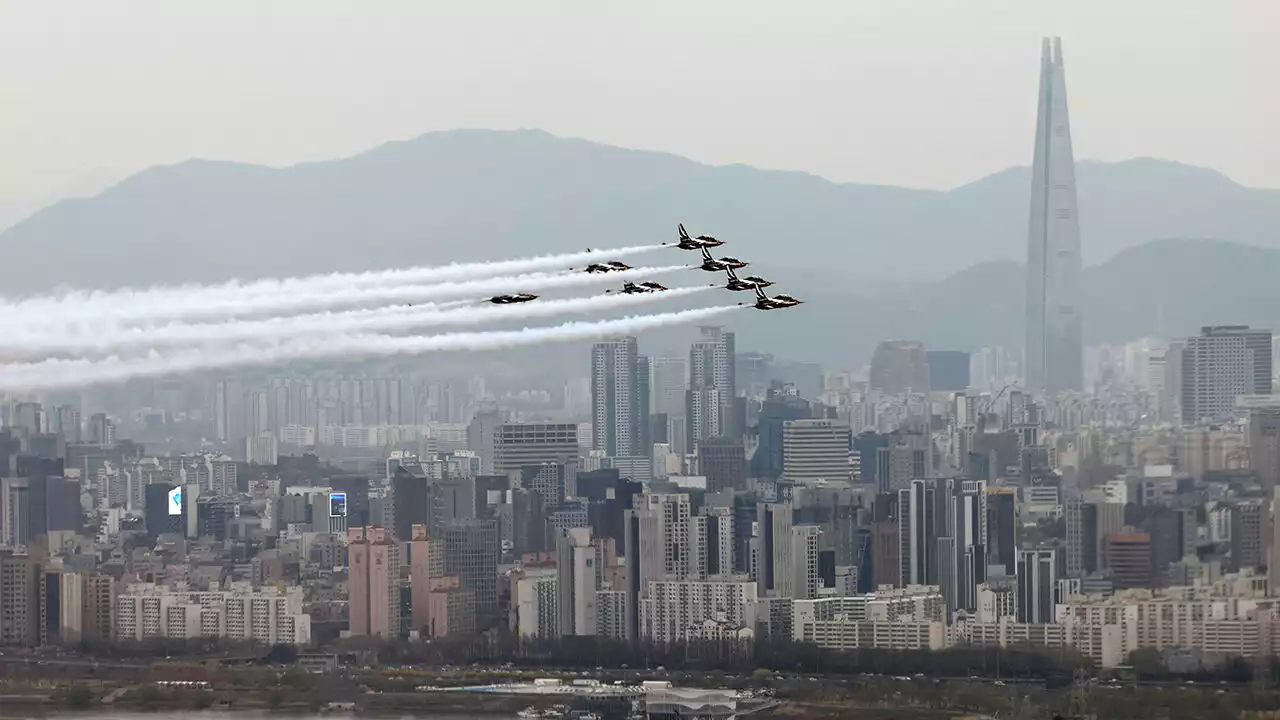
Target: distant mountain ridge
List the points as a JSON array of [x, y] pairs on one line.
[[876, 261], [474, 194]]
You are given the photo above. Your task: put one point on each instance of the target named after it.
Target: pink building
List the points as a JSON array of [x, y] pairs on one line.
[[373, 582], [441, 606]]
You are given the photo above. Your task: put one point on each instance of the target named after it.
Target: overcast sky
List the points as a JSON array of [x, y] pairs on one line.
[[927, 93]]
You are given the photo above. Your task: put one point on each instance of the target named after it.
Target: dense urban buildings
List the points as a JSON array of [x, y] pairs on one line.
[[1106, 500]]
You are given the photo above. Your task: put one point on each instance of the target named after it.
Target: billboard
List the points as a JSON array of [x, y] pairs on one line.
[[337, 504], [175, 501]]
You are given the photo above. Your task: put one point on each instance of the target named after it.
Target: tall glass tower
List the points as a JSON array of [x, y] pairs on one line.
[[1055, 345]]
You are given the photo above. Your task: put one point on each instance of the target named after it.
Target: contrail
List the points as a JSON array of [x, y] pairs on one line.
[[318, 283], [46, 341], [234, 307], [56, 374]]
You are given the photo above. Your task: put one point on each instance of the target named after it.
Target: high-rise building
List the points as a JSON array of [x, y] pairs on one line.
[[482, 436], [471, 553], [1220, 364], [815, 450], [948, 370], [781, 404], [709, 407], [800, 576], [576, 584], [1055, 344], [899, 366], [668, 381], [1264, 445], [1037, 581], [615, 402], [373, 582], [723, 461], [1248, 533], [1130, 560], [1002, 529], [19, 599], [517, 445], [918, 533]]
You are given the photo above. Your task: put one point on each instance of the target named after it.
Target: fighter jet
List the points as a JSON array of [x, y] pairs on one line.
[[612, 266], [777, 302], [711, 264], [510, 299], [751, 281], [629, 288], [696, 243]]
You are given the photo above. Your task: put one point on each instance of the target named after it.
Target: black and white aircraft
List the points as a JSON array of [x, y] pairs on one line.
[[711, 264], [777, 302], [611, 266], [696, 243], [751, 281], [510, 299], [638, 288]]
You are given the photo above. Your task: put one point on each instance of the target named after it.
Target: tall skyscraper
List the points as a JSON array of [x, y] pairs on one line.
[[615, 401], [1055, 345], [1037, 579]]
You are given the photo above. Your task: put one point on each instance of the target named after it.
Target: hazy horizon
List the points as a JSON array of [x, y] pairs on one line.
[[849, 92]]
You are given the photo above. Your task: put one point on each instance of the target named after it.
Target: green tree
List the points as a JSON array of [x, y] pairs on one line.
[[79, 697]]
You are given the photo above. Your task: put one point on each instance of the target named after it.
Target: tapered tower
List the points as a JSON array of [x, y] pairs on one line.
[[1055, 345]]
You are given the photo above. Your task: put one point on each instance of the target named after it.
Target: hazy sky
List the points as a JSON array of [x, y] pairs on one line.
[[929, 93]]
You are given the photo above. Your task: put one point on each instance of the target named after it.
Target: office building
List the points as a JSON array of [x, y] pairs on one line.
[[723, 461], [1130, 560], [1264, 445], [1055, 344], [1037, 582], [918, 533], [898, 367], [815, 450], [1220, 364], [471, 552], [517, 445], [948, 370], [669, 379], [1002, 529], [1249, 520]]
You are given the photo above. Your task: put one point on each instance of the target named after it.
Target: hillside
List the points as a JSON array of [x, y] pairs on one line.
[[874, 262], [474, 194]]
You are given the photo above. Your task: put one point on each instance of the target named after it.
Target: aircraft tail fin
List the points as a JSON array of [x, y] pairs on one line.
[[732, 275], [760, 293], [683, 235], [706, 254]]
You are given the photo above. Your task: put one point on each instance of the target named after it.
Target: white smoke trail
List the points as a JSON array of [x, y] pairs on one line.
[[45, 340], [56, 374], [147, 297], [236, 307]]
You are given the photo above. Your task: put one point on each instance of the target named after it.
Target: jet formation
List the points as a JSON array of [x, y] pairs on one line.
[[701, 243]]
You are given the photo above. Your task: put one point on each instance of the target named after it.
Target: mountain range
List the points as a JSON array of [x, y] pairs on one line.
[[1171, 245]]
